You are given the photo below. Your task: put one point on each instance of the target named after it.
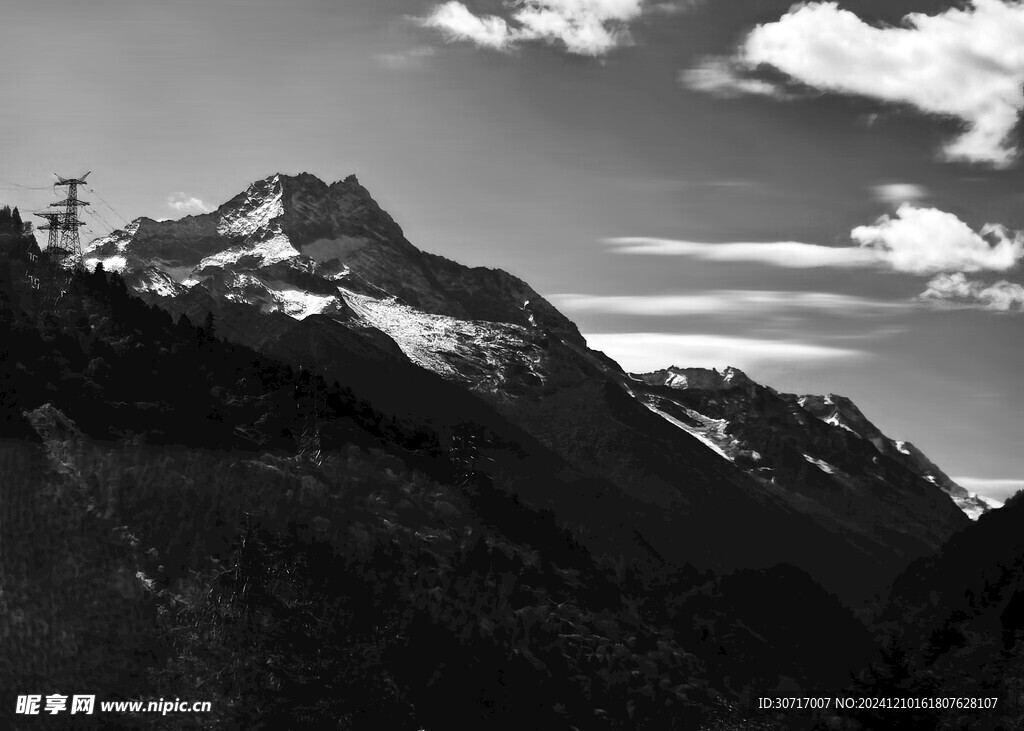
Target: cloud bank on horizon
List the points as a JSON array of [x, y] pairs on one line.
[[963, 63], [583, 27]]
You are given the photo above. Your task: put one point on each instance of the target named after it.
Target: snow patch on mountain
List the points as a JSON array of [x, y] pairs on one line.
[[114, 263], [299, 303], [158, 282], [821, 464], [836, 420], [276, 296], [696, 433], [253, 211], [711, 432], [975, 505], [474, 352], [266, 252]]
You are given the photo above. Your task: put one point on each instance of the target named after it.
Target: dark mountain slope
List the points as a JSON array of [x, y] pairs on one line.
[[953, 628], [369, 588], [820, 452]]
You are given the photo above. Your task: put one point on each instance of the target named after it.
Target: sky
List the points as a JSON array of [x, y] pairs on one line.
[[827, 195]]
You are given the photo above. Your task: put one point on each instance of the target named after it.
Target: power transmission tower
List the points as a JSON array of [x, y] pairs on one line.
[[51, 283], [64, 247]]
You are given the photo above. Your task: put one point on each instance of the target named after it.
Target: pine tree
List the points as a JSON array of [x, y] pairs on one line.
[[209, 327]]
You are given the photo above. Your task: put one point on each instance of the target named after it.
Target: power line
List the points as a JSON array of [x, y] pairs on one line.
[[104, 202], [102, 219], [24, 187]]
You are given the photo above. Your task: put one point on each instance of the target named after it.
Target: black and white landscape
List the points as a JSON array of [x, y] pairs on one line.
[[277, 455]]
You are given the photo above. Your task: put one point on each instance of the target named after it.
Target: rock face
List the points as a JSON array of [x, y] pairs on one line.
[[297, 245], [840, 411], [797, 441], [727, 473], [59, 435]]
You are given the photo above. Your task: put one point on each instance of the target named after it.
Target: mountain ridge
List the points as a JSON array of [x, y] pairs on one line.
[[282, 227], [832, 409], [299, 248]]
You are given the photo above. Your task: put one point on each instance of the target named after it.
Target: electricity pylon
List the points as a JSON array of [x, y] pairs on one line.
[[64, 246]]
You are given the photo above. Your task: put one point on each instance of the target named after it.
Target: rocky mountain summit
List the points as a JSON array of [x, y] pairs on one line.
[[296, 245]]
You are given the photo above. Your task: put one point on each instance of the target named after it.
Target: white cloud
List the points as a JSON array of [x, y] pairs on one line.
[[963, 63], [643, 352], [409, 59], [584, 27], [672, 8], [957, 289], [185, 204], [927, 241], [759, 303], [896, 193], [459, 24], [790, 254], [727, 78]]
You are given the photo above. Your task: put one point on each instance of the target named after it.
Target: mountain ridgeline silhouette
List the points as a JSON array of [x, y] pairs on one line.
[[360, 301], [497, 525]]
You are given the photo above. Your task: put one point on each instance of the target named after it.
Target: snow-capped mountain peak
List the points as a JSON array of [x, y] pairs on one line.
[[296, 245], [273, 220]]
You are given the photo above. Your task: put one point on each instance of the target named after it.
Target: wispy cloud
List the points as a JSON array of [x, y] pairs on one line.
[[672, 8], [184, 204], [897, 193], [964, 62], [998, 489], [728, 78], [912, 240], [583, 27], [760, 303], [407, 60], [789, 254], [642, 352], [958, 290]]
